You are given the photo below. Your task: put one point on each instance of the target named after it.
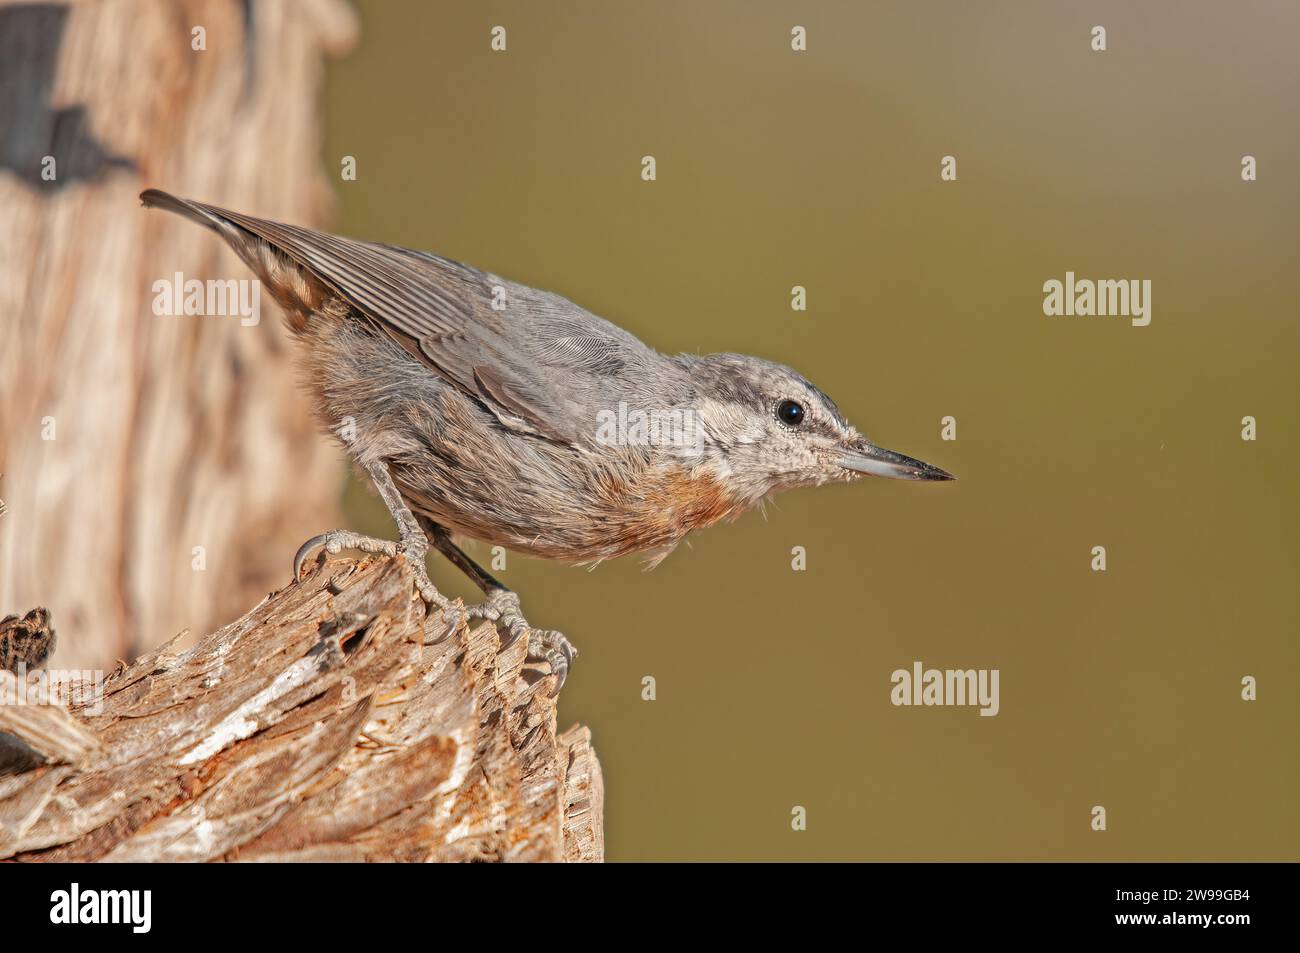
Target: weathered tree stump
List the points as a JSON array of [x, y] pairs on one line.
[[136, 448], [336, 721]]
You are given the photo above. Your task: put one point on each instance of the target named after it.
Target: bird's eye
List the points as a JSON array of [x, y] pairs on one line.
[[790, 413]]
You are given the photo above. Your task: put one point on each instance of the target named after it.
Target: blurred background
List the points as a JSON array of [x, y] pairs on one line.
[[821, 168]]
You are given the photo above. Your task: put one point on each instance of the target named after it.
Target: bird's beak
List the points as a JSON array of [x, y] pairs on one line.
[[876, 461]]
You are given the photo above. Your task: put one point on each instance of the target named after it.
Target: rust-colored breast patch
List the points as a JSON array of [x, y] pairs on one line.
[[661, 508]]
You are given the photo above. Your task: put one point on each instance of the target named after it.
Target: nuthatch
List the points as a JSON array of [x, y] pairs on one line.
[[484, 408]]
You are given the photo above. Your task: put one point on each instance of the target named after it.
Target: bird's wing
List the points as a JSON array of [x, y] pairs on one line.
[[441, 312]]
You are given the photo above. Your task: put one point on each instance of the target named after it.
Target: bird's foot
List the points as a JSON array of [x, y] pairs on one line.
[[414, 548], [552, 647]]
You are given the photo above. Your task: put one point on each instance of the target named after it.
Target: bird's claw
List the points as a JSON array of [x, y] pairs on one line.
[[335, 541], [556, 650], [546, 644]]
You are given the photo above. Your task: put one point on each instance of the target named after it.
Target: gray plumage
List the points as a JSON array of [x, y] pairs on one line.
[[488, 420]]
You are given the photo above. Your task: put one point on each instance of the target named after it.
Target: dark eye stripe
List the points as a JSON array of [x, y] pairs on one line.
[[827, 403]]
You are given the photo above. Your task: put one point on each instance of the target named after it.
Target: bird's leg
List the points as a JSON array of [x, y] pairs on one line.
[[411, 543], [502, 605]]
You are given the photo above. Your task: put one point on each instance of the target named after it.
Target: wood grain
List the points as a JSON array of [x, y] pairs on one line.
[[130, 442], [336, 721]]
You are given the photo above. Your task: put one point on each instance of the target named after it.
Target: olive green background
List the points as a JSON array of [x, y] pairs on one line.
[[925, 298]]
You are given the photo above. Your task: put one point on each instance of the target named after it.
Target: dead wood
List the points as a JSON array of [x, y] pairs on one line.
[[142, 451], [335, 721]]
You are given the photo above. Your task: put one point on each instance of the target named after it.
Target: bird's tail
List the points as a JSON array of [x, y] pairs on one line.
[[293, 287], [194, 211]]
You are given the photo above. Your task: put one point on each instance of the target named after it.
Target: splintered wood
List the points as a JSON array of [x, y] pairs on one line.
[[334, 722]]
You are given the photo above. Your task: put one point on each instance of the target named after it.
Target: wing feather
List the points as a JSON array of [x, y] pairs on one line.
[[439, 311]]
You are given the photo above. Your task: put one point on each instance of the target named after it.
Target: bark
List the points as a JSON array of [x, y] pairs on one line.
[[156, 469], [335, 721]]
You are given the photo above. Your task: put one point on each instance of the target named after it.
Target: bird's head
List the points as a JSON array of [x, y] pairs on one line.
[[767, 428]]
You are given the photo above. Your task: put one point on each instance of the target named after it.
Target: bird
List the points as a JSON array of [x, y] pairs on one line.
[[482, 408]]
